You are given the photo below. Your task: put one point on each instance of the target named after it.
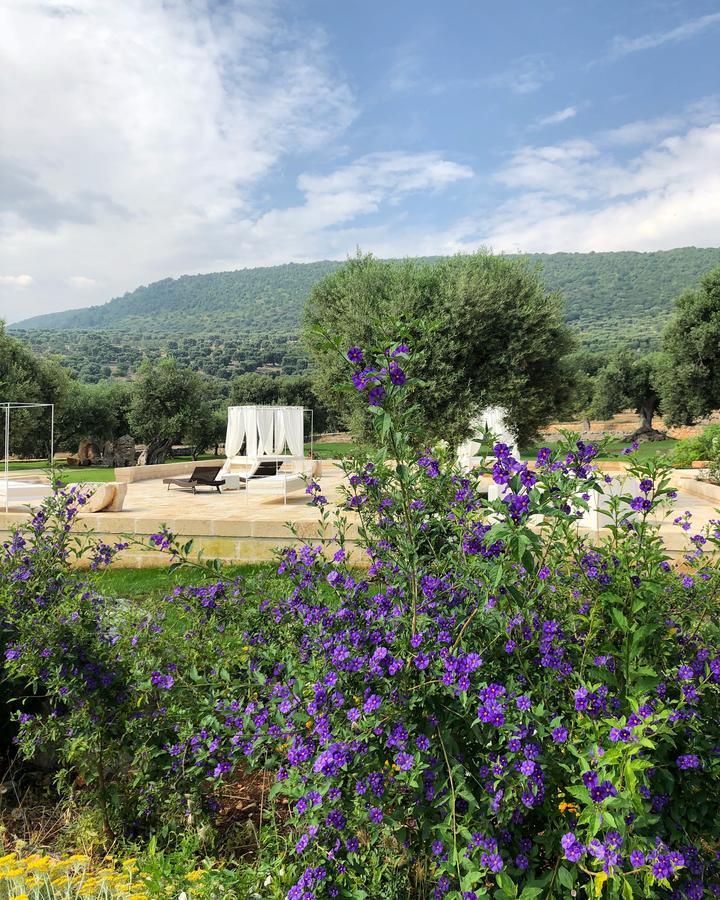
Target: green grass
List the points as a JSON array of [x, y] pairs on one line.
[[140, 583], [333, 450], [67, 473]]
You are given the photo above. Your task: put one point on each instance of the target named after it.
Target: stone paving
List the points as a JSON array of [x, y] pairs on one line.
[[236, 526]]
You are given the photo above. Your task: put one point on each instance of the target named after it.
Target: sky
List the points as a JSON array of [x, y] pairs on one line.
[[147, 139]]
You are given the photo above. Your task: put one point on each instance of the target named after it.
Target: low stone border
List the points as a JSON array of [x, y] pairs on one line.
[[131, 474], [703, 489]]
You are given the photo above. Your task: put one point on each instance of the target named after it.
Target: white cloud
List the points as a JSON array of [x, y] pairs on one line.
[[623, 45], [138, 134], [21, 281], [524, 75], [644, 131], [562, 115], [580, 196], [81, 281], [358, 189], [140, 138]]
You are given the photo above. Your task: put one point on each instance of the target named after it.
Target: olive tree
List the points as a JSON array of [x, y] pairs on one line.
[[631, 381], [484, 331], [690, 382], [168, 402]]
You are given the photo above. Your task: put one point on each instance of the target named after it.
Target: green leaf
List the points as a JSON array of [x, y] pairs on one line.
[[505, 882]]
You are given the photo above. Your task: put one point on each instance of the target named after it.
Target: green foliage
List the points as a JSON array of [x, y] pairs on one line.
[[629, 380], [691, 386], [469, 355], [698, 447], [94, 411], [169, 403], [27, 378], [232, 322], [283, 390]]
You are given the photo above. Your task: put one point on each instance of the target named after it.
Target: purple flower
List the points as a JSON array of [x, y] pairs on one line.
[[375, 815], [397, 376], [162, 681], [574, 850], [372, 703], [376, 395], [355, 355], [688, 761], [405, 761]]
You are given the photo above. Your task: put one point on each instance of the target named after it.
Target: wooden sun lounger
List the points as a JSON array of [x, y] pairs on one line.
[[202, 476]]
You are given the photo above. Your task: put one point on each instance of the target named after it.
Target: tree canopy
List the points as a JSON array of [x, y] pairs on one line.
[[691, 383], [484, 330], [630, 380], [168, 402], [27, 378]]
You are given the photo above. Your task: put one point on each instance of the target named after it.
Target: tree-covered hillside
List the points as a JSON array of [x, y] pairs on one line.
[[232, 322], [259, 300]]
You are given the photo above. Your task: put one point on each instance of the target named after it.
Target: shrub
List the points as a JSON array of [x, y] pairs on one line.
[[495, 706], [107, 687], [507, 709], [703, 446]]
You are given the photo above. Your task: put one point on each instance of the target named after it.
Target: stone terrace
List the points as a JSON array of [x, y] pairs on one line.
[[237, 527]]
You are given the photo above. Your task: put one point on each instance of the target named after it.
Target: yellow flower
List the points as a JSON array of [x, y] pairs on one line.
[[130, 862], [19, 897], [13, 873], [571, 807], [196, 875]]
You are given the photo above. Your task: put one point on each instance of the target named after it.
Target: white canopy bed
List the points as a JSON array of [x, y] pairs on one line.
[[23, 491], [258, 435]]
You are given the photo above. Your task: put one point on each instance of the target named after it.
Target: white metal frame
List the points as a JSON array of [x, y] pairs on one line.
[[8, 407]]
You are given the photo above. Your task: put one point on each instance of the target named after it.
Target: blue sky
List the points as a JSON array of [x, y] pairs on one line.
[[150, 139]]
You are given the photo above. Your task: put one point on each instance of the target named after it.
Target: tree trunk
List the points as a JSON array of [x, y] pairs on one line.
[[158, 450], [646, 432]]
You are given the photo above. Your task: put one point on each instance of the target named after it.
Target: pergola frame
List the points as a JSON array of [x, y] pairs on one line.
[[8, 407], [306, 410]]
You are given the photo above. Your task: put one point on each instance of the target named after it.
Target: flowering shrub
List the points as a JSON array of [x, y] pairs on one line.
[[493, 706], [106, 687], [507, 707]]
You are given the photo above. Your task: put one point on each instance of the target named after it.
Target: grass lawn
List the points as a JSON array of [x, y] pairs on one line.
[[333, 450], [139, 583]]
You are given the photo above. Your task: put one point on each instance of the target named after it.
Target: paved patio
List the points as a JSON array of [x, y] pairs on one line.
[[234, 526]]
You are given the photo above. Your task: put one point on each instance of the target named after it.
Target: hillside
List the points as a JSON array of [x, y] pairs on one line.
[[230, 322]]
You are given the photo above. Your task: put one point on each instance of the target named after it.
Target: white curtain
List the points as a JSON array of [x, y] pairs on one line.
[[279, 439], [294, 430], [265, 419], [251, 431], [235, 434]]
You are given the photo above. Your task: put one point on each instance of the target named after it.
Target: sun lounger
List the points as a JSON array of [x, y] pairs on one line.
[[202, 476], [16, 492], [279, 485]]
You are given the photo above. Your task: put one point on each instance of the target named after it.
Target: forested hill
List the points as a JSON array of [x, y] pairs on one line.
[[609, 297], [260, 300]]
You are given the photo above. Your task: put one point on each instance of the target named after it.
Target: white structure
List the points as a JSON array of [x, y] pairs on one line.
[[15, 492], [257, 435], [491, 421]]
